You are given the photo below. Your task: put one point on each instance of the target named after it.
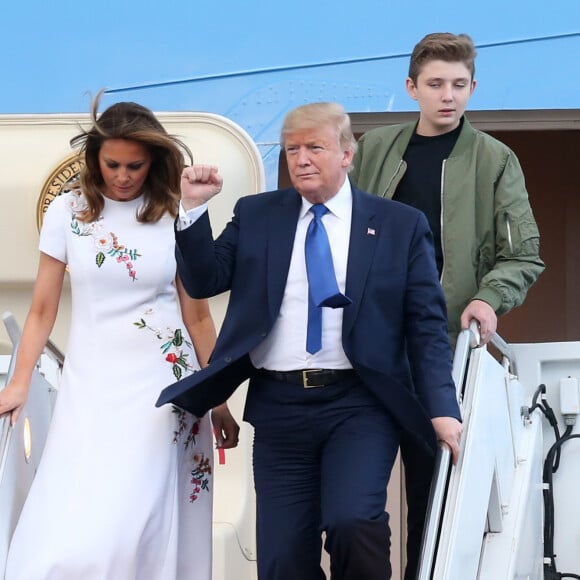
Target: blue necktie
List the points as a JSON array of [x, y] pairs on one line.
[[322, 286]]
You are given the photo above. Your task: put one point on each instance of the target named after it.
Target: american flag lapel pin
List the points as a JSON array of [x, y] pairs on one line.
[[371, 231]]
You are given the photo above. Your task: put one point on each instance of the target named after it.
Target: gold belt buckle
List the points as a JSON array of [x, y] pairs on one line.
[[305, 378]]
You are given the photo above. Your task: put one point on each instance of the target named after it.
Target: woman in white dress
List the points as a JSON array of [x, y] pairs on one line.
[[124, 489]]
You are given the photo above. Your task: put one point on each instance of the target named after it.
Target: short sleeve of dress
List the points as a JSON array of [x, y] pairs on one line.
[[53, 232]]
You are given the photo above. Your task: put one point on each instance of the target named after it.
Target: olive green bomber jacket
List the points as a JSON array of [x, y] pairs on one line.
[[489, 236]]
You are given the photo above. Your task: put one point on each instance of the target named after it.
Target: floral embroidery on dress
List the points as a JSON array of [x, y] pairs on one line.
[[105, 242], [200, 475], [171, 347], [182, 427], [202, 470]]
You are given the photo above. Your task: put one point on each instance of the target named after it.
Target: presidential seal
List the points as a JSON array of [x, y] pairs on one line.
[[64, 178]]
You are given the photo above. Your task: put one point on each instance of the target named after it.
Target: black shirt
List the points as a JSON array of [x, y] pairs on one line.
[[421, 186]]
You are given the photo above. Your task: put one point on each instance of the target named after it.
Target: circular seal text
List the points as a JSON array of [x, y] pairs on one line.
[[64, 178]]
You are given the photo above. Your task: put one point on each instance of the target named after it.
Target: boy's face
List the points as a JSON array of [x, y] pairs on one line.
[[442, 91]]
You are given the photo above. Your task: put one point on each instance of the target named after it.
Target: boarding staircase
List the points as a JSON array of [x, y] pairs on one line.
[[492, 514], [21, 446], [489, 517]]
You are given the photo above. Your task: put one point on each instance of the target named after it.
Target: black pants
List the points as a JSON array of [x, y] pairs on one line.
[[419, 465]]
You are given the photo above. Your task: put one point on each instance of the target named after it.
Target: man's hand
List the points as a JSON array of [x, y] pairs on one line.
[[225, 428], [448, 431], [485, 316], [199, 183]]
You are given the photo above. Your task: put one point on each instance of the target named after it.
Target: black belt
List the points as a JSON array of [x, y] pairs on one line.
[[308, 378]]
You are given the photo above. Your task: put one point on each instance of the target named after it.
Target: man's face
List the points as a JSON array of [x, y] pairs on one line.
[[317, 163], [442, 91]]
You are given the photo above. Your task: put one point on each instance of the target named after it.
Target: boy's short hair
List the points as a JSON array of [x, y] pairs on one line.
[[443, 46]]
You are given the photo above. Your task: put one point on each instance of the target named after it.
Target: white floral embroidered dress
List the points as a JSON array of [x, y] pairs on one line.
[[124, 489]]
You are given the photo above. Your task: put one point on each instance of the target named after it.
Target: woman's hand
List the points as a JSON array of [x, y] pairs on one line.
[[225, 427], [12, 400]]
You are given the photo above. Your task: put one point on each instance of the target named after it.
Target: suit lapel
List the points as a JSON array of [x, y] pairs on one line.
[[281, 232], [364, 233]]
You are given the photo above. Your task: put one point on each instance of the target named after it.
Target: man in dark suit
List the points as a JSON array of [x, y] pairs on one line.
[[334, 378]]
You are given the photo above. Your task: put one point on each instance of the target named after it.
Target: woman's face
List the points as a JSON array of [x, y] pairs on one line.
[[124, 166]]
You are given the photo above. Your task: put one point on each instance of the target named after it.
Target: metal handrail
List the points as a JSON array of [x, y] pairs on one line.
[[466, 341], [507, 352], [5, 426], [12, 328], [15, 333]]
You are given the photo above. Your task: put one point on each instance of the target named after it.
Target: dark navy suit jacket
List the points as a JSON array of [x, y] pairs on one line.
[[396, 322]]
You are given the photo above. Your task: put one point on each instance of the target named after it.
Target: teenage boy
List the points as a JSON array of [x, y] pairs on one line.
[[472, 190]]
